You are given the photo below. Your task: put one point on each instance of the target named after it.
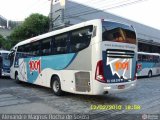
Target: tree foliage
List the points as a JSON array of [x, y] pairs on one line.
[[4, 43], [34, 25], [2, 39]]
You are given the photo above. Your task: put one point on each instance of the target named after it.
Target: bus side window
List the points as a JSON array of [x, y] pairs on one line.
[[11, 57], [18, 55], [60, 44], [155, 59], [35, 49], [46, 46], [139, 57], [26, 51], [150, 58], [144, 58], [80, 39]]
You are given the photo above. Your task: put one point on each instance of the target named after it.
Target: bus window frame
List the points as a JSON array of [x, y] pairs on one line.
[[79, 29], [53, 44]]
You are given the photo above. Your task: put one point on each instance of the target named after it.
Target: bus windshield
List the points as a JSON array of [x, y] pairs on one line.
[[117, 32], [6, 61]]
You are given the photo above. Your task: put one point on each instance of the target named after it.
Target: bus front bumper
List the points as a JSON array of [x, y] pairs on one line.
[[5, 74]]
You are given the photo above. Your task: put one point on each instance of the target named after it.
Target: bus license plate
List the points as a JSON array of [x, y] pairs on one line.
[[121, 86]]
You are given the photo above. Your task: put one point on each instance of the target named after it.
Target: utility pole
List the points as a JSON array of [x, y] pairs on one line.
[[57, 14], [51, 17]]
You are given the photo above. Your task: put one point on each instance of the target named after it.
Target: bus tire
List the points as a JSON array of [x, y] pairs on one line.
[[149, 74], [56, 86]]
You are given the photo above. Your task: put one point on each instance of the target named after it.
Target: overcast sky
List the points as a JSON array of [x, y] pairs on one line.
[[145, 12]]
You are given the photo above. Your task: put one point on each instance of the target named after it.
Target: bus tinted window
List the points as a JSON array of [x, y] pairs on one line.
[[6, 61], [11, 57], [117, 32], [19, 54], [139, 57], [27, 50], [60, 44], [156, 59], [46, 46], [80, 38], [35, 49], [20, 51], [148, 58]]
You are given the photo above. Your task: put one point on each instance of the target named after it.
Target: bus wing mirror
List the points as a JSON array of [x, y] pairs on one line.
[[11, 53]]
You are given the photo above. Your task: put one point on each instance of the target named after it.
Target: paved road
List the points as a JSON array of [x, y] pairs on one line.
[[30, 99]]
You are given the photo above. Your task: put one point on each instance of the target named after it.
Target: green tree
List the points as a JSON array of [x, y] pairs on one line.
[[7, 44], [4, 43], [34, 25]]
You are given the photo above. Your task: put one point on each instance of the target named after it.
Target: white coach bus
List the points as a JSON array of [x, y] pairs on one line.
[[148, 64], [94, 57]]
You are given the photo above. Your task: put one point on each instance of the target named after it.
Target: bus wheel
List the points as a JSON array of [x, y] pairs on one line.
[[56, 86], [150, 74]]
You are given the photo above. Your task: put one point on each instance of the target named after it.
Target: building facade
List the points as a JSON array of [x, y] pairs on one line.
[[72, 13]]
